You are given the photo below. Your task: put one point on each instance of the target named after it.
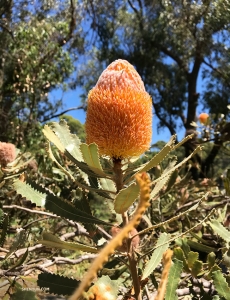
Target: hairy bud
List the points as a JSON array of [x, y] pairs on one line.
[[119, 113], [7, 153], [203, 118]]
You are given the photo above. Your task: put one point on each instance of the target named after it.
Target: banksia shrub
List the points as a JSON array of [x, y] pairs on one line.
[[119, 113], [203, 118], [7, 153]]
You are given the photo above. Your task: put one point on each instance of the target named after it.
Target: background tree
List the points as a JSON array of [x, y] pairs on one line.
[[39, 45], [173, 44]]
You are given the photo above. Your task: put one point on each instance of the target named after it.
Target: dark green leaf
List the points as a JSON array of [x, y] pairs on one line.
[[57, 284]]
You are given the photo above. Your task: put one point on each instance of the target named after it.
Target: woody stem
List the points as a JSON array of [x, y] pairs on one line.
[[118, 179]]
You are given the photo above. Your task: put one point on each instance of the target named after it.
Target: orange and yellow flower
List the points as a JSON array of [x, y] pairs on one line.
[[203, 118], [119, 113]]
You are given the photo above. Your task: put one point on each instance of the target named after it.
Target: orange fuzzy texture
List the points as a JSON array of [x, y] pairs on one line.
[[7, 153], [203, 118], [119, 113]]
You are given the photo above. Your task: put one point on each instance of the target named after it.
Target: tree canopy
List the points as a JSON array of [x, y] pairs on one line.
[[173, 45], [39, 46]]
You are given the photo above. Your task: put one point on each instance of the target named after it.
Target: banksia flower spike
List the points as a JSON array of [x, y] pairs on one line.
[[7, 153], [203, 118], [119, 113]]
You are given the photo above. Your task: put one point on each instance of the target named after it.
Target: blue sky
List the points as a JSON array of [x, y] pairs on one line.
[[71, 98]]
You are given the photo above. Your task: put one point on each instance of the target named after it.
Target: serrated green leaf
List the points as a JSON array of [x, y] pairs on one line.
[[173, 280], [70, 141], [53, 138], [107, 184], [82, 165], [179, 254], [172, 180], [67, 210], [125, 198], [185, 139], [158, 187], [57, 284], [199, 148], [226, 258], [196, 268], [211, 259], [159, 157], [219, 229], [161, 183], [91, 158], [53, 241], [192, 257], [220, 284], [157, 254], [29, 193], [58, 206]]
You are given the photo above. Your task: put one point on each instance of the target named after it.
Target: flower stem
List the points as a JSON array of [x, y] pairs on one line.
[[118, 174], [133, 270], [119, 182]]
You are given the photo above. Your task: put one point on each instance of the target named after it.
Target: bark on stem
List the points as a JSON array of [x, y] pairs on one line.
[[118, 174], [118, 179]]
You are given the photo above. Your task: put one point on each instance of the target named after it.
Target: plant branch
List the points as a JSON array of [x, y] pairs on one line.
[[63, 112]]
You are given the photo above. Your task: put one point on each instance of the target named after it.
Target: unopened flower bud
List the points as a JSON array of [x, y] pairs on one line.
[[7, 153], [119, 113]]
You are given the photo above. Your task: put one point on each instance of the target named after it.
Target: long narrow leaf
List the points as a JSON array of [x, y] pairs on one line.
[[158, 157], [173, 280], [126, 197], [157, 254], [220, 284], [53, 241], [91, 157], [219, 229]]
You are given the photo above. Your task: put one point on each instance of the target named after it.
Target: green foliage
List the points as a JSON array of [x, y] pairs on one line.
[[57, 284], [75, 127], [125, 198], [221, 284], [162, 245], [39, 48], [173, 280], [50, 240], [127, 238]]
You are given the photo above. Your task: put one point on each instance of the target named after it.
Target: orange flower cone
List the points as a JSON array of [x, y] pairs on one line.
[[119, 113], [203, 118]]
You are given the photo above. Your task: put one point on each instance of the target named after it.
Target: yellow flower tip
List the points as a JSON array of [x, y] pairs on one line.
[[119, 113], [203, 118]]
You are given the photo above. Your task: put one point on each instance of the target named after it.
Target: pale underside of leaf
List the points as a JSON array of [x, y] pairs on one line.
[[126, 197], [53, 241], [157, 254]]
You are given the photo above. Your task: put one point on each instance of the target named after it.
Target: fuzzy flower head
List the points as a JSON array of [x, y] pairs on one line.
[[203, 118], [119, 113], [7, 153]]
